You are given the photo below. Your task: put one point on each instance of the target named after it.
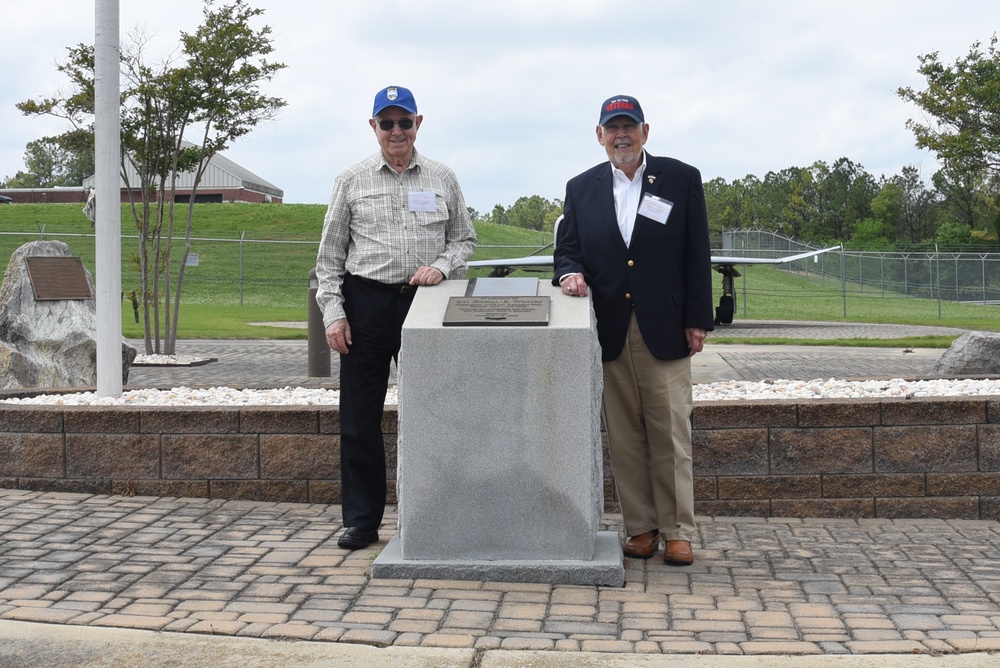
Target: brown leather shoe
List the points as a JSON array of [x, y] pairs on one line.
[[642, 546], [678, 553]]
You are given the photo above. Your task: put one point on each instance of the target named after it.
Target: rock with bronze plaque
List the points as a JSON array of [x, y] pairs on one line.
[[58, 277], [48, 321], [508, 302]]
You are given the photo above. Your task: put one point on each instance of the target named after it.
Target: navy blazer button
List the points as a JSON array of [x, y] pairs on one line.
[[631, 263], [628, 296]]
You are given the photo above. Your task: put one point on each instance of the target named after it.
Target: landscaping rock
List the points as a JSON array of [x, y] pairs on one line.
[[973, 353], [47, 343]]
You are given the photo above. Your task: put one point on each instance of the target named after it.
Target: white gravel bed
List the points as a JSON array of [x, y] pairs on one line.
[[167, 360], [720, 391]]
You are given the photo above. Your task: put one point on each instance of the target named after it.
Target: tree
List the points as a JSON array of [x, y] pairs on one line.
[[499, 215], [213, 93], [529, 212], [952, 233], [963, 106], [49, 165], [552, 215]]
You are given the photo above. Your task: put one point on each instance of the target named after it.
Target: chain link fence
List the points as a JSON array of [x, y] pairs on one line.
[[255, 272], [239, 271], [944, 278]]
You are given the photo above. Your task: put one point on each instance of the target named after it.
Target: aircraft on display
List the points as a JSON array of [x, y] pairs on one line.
[[724, 264]]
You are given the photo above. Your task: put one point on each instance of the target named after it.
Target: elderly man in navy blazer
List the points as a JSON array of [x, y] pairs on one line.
[[635, 236]]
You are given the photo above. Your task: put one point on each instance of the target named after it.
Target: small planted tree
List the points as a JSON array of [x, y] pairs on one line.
[[175, 117]]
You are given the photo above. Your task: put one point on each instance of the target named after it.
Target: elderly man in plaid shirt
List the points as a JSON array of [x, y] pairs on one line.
[[396, 220]]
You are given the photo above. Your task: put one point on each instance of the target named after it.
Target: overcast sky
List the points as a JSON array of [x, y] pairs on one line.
[[510, 90]]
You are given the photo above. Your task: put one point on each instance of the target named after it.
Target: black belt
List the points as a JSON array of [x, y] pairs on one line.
[[398, 288]]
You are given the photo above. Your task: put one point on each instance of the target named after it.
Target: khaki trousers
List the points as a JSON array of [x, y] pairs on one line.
[[647, 411]]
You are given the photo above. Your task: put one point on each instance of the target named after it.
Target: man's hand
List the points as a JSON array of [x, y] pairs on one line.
[[696, 340], [574, 285], [338, 335], [427, 276]]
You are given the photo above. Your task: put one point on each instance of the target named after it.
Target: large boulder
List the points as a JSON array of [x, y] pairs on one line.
[[47, 343], [972, 354]]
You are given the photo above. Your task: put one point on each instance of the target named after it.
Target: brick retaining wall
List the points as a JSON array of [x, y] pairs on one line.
[[824, 458]]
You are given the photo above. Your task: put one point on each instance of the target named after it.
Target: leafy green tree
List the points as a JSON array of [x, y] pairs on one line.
[[952, 233], [529, 212], [552, 215], [736, 205], [962, 106], [887, 212], [49, 165], [869, 234], [499, 215], [918, 207]]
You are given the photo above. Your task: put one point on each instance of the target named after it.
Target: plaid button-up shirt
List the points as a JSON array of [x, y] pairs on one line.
[[370, 231]]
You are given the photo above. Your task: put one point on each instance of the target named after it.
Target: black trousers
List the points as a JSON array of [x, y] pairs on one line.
[[375, 312]]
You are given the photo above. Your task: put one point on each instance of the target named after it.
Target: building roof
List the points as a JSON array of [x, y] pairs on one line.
[[220, 173]]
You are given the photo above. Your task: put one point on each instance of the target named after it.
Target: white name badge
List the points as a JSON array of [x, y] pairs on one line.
[[655, 208], [421, 201]]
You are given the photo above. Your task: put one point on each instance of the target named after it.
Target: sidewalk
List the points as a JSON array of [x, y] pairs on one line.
[[280, 363], [89, 580]]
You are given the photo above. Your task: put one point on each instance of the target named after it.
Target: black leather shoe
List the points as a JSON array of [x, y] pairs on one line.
[[354, 538]]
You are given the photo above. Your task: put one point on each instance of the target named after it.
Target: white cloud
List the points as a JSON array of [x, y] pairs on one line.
[[510, 90]]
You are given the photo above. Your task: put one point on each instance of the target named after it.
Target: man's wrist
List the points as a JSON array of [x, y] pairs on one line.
[[565, 276]]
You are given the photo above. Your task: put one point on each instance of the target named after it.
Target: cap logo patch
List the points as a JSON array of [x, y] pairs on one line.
[[619, 105], [392, 93]]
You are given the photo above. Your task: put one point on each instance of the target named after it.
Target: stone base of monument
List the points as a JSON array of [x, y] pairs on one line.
[[604, 569], [500, 468]]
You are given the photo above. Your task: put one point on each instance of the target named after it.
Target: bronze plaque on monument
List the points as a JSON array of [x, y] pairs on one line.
[[58, 277], [509, 302]]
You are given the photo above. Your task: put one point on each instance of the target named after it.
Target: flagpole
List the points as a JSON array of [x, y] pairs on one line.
[[107, 182]]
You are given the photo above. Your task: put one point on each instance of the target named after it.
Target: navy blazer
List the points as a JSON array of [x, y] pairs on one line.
[[664, 274]]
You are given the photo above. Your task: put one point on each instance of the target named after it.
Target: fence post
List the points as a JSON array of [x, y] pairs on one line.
[[242, 234], [319, 349], [843, 278], [937, 281]]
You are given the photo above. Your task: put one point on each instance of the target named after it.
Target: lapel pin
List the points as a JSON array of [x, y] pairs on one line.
[[651, 179]]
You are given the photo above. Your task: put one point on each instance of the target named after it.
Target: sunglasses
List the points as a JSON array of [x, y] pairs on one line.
[[404, 124]]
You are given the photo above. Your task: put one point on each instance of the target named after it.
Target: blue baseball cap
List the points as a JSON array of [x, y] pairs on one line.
[[394, 96], [621, 105]]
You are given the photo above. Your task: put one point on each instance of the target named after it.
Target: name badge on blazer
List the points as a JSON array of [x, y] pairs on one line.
[[655, 208]]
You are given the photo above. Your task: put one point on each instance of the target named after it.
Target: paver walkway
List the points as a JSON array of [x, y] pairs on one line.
[[776, 586]]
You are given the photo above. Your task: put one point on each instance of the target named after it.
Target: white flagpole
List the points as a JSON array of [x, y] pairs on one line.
[[107, 182]]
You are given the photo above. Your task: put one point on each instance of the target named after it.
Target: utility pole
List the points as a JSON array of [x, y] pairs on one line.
[[107, 185]]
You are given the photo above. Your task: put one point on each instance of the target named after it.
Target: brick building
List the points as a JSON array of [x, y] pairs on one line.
[[223, 181]]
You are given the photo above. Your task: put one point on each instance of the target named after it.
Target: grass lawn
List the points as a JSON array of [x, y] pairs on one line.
[[264, 278]]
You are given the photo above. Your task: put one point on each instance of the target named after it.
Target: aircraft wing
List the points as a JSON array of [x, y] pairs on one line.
[[545, 261], [531, 261], [724, 264], [731, 260]]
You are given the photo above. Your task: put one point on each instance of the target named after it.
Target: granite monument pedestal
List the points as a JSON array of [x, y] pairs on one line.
[[500, 472]]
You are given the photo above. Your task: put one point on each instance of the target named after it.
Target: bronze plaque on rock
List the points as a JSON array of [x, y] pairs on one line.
[[58, 277], [497, 311]]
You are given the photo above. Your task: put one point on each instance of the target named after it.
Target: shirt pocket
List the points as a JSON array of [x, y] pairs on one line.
[[375, 210], [430, 225]]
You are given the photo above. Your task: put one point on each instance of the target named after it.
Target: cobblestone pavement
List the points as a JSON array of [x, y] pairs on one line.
[[265, 570]]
